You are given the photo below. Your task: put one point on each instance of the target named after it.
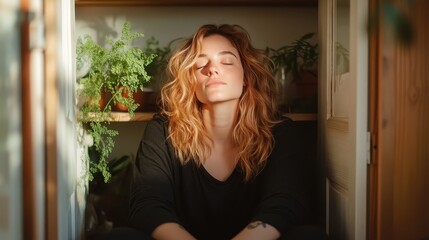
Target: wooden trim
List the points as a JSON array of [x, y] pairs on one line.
[[28, 188], [296, 3], [301, 116], [375, 65], [51, 102], [146, 116], [340, 124]]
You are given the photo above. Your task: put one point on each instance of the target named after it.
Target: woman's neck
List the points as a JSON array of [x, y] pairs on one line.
[[220, 120]]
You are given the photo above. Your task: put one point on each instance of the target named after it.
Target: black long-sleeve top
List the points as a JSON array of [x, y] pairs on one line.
[[164, 190]]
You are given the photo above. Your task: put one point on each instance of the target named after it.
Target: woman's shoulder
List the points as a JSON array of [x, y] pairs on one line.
[[283, 124], [158, 123], [160, 118]]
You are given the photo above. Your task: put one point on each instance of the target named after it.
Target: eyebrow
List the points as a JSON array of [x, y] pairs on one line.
[[220, 53]]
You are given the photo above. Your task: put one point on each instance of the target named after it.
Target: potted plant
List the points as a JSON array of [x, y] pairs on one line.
[[157, 67], [157, 70], [295, 66], [112, 75]]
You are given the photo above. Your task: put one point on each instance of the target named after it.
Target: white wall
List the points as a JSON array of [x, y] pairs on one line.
[[10, 123], [267, 26]]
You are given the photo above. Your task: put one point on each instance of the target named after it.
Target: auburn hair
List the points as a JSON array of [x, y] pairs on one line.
[[256, 109]]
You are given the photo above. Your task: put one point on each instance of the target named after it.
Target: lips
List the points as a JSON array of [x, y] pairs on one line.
[[214, 82]]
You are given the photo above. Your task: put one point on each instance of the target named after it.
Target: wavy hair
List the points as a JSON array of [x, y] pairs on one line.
[[256, 109]]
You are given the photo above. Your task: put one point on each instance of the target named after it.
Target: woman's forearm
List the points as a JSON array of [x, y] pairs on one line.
[[258, 230], [171, 231]]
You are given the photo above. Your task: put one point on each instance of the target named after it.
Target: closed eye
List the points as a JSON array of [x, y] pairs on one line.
[[227, 60], [200, 64]]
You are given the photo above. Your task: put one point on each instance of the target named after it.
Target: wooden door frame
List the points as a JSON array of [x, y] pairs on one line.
[[51, 111], [28, 162], [375, 58], [28, 185]]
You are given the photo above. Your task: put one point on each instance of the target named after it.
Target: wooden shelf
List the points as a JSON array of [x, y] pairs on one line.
[[290, 3], [125, 117], [301, 116], [146, 116]]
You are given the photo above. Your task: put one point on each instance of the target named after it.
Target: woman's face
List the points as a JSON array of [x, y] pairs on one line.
[[218, 71]]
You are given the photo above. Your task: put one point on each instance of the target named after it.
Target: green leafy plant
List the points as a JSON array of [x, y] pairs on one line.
[[294, 58], [341, 59], [295, 67], [110, 70], [158, 66]]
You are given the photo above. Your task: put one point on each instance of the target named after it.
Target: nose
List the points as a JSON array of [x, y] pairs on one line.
[[212, 70]]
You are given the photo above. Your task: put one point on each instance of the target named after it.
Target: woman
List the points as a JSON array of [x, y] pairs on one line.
[[218, 162]]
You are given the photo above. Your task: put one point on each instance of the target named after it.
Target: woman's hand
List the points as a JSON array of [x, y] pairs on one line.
[[258, 230], [171, 231]]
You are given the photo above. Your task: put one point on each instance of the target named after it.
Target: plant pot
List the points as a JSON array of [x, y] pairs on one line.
[[103, 100], [306, 93], [298, 95], [306, 86], [147, 101]]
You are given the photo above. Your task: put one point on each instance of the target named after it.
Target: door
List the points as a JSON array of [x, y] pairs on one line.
[[399, 176], [343, 114]]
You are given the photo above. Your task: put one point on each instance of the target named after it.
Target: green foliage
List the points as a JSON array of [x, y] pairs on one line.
[[121, 170], [300, 55], [341, 59], [152, 47], [103, 144], [159, 64], [111, 71]]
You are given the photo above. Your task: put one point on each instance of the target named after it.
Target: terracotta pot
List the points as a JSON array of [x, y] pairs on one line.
[[103, 100], [306, 89], [146, 100], [306, 86]]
